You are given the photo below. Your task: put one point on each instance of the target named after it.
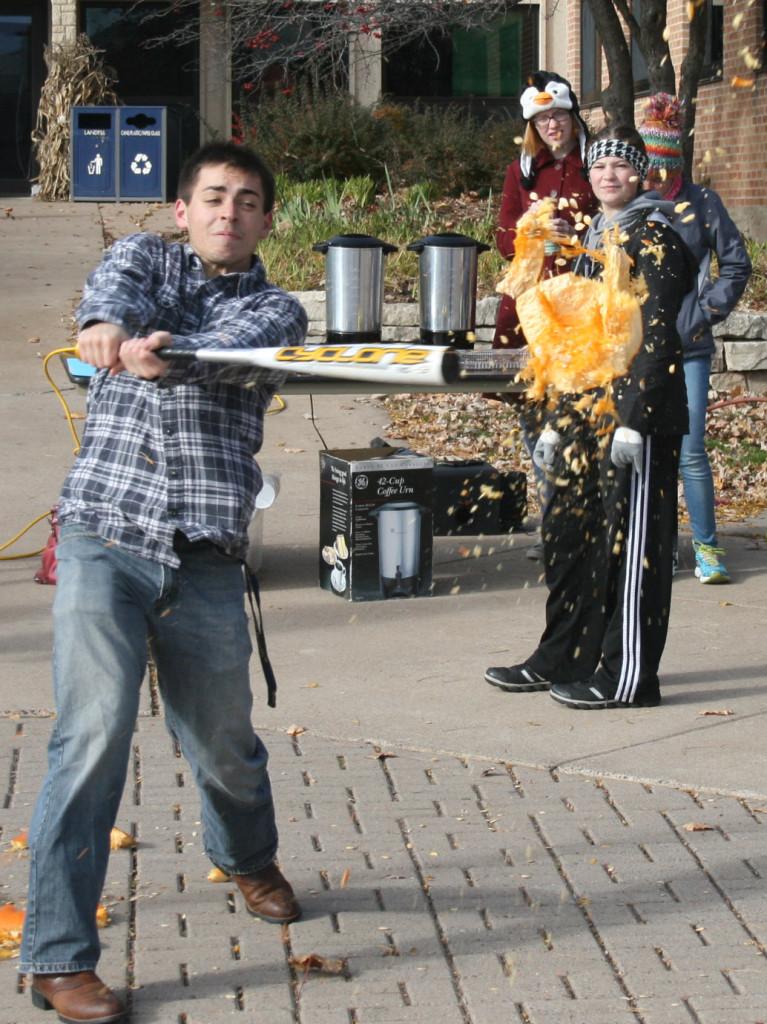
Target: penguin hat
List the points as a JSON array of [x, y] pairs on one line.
[[548, 91]]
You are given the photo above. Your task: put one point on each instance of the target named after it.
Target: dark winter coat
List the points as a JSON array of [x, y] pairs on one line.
[[556, 178], [651, 398], [706, 227]]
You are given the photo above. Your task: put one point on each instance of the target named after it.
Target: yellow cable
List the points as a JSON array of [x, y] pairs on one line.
[[57, 390], [70, 421], [26, 529], [71, 351]]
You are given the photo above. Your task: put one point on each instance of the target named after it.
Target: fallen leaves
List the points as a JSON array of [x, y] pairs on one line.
[[12, 925], [313, 962], [716, 712], [698, 826], [296, 730], [320, 964], [119, 840], [217, 875], [21, 841], [11, 921]]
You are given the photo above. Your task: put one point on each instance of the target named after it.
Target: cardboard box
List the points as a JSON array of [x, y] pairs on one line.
[[375, 523]]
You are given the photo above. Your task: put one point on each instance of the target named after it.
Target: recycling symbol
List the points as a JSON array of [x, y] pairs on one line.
[[141, 164]]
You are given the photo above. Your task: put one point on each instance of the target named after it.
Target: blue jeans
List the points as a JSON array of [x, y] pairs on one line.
[[108, 604], [694, 467], [544, 486]]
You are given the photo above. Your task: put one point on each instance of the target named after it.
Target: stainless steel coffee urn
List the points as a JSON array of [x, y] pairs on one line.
[[354, 274], [399, 547], [447, 287]]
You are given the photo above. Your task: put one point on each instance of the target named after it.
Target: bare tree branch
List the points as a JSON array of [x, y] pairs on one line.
[[312, 36]]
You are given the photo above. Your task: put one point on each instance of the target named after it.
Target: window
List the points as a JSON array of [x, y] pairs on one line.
[[123, 30], [714, 53], [591, 58], [483, 64]]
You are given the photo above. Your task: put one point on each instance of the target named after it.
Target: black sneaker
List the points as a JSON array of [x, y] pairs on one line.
[[516, 679], [593, 695]]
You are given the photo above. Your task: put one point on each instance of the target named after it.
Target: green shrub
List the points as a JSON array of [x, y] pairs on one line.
[[306, 135], [309, 136], [755, 295], [450, 148]]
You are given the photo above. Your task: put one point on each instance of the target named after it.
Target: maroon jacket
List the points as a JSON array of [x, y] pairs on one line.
[[556, 178]]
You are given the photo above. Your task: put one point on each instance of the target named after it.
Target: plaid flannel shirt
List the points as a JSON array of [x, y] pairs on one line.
[[177, 453]]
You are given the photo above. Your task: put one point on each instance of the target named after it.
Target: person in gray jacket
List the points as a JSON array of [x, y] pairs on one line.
[[702, 221]]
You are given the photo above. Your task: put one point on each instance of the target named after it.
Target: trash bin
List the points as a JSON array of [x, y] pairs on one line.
[[93, 154], [142, 147]]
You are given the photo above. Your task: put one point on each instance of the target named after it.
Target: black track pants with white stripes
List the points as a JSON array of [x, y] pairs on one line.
[[608, 536]]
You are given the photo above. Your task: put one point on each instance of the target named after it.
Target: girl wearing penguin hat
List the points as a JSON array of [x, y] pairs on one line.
[[550, 163]]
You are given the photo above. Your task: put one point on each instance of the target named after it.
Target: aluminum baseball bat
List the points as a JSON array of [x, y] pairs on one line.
[[381, 363]]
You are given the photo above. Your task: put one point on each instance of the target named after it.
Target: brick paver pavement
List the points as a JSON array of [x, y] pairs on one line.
[[455, 890]]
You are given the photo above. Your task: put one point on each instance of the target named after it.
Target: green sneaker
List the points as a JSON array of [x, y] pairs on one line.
[[708, 567]]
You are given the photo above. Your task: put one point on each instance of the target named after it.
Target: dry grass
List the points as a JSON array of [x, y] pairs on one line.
[[75, 78]]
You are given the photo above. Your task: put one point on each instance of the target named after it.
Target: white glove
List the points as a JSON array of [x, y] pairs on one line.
[[627, 448], [546, 449]]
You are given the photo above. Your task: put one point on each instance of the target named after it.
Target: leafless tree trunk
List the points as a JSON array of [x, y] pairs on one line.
[[654, 47], [649, 30], [692, 67], [618, 97]]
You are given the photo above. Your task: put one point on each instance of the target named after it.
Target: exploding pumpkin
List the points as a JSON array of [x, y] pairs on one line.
[[582, 333]]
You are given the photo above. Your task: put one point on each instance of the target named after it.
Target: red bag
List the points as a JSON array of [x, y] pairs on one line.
[[47, 571]]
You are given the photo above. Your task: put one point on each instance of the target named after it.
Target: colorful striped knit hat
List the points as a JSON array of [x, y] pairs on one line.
[[661, 131]]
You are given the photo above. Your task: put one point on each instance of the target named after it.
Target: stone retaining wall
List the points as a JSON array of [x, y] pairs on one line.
[[741, 341]]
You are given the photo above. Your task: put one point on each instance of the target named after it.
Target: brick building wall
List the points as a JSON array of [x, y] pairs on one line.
[[63, 26], [731, 121]]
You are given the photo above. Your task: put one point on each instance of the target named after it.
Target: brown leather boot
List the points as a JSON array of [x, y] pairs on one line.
[[269, 895], [78, 998]]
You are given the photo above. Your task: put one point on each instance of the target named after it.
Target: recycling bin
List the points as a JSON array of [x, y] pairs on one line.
[[93, 154], [142, 153]]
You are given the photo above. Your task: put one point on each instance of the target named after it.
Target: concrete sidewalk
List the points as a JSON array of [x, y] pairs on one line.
[[471, 855]]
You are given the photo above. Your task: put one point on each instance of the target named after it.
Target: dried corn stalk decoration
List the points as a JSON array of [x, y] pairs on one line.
[[581, 332], [76, 77]]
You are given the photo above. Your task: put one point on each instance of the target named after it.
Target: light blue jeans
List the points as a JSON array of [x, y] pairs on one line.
[[108, 604], [694, 467]]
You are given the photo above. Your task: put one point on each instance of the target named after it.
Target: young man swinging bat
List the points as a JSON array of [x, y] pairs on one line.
[[154, 515]]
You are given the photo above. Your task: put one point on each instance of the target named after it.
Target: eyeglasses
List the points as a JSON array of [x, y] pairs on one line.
[[560, 116]]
